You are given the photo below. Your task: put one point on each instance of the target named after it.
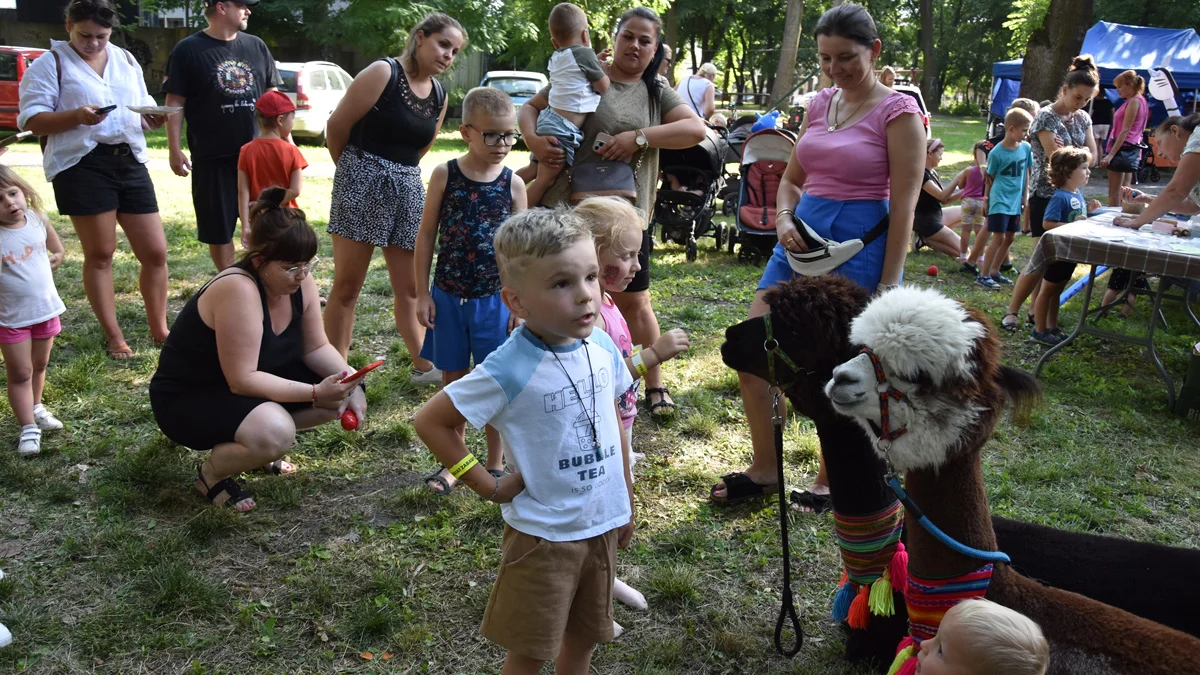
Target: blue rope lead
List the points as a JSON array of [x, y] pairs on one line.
[[990, 556]]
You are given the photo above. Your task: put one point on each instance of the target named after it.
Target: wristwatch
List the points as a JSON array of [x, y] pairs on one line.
[[642, 141]]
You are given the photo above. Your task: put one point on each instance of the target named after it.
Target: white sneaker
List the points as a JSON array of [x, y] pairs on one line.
[[617, 630], [45, 419], [30, 442], [635, 457], [431, 376], [5, 637]]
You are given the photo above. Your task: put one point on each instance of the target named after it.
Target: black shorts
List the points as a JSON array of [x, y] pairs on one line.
[[926, 225], [1058, 272], [215, 198], [641, 280], [1037, 214], [203, 417], [108, 178], [1000, 223]]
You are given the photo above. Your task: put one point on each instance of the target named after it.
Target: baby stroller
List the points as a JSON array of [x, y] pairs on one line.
[[1147, 171], [686, 199], [764, 157], [735, 138]]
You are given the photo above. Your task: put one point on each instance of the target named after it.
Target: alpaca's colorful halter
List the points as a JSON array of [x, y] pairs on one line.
[[887, 393]]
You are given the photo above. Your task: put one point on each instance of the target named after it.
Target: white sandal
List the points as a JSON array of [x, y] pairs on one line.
[[30, 442]]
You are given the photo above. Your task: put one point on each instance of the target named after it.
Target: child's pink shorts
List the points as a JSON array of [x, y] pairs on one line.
[[38, 331]]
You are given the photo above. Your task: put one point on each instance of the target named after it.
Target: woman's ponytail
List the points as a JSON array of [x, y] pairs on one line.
[[1083, 73]]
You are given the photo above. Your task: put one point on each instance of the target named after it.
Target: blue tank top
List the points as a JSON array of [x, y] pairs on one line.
[[471, 212]]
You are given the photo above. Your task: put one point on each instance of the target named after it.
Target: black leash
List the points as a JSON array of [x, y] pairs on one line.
[[787, 608]]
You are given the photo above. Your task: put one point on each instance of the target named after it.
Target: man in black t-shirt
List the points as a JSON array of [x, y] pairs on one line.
[[217, 75]]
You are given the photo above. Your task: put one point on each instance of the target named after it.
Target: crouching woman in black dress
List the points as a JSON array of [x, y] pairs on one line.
[[247, 361]]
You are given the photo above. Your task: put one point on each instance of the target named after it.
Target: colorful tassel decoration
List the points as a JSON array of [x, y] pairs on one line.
[[906, 652], [860, 610], [841, 601], [898, 568], [909, 667], [881, 601]]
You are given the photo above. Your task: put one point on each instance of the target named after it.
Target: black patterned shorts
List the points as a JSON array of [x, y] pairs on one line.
[[376, 201]]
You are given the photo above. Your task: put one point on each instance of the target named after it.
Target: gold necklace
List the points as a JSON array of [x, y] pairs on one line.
[[836, 104]]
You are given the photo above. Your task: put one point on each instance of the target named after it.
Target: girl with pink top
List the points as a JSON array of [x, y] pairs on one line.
[[1125, 135], [974, 206], [617, 229], [860, 160]]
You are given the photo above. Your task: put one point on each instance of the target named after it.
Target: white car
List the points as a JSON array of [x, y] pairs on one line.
[[316, 87], [520, 85]]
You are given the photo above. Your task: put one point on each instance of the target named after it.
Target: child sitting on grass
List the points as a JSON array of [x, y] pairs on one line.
[[29, 305], [1068, 173], [468, 199], [1007, 191], [979, 637], [269, 160], [553, 392]]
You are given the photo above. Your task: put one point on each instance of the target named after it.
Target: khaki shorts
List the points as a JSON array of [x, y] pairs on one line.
[[548, 588]]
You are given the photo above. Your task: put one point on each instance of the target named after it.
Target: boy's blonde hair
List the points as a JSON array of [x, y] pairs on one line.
[[532, 234], [1002, 640], [487, 101], [566, 21], [1027, 104], [10, 178], [1017, 116], [609, 219]]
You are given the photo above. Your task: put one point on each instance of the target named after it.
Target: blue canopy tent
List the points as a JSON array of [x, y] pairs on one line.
[[1117, 48]]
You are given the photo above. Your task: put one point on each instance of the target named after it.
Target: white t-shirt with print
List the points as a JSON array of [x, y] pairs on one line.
[[572, 490], [27, 293]]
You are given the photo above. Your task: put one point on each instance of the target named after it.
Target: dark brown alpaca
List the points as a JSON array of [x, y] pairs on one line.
[[945, 360]]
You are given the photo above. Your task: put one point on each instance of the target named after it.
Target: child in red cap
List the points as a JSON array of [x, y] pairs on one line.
[[269, 160]]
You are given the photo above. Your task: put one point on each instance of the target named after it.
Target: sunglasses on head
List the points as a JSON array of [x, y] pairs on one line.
[[98, 11]]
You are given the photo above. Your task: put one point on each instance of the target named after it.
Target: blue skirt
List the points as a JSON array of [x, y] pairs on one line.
[[837, 221]]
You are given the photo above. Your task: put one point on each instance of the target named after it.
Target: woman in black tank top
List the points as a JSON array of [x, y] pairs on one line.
[[247, 362], [377, 136]]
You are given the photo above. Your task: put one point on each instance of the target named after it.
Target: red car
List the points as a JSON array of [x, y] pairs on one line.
[[14, 61]]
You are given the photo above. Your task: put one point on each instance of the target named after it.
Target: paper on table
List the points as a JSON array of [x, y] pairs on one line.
[[1187, 247], [153, 109]]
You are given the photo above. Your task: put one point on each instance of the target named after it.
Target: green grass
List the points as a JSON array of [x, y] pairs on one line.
[[127, 569]]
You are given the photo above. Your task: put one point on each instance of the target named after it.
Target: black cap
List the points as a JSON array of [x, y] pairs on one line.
[[251, 3]]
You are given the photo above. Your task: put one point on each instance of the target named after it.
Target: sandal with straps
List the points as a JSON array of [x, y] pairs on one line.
[[663, 408], [234, 491], [1010, 327]]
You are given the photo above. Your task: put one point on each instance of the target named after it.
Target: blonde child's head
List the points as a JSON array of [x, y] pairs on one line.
[[1027, 104], [534, 234], [888, 76], [1065, 162], [10, 181], [979, 637], [568, 25], [1016, 124], [616, 227], [488, 124], [482, 105]]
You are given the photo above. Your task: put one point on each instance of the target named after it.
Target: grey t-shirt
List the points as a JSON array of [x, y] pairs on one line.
[[624, 107]]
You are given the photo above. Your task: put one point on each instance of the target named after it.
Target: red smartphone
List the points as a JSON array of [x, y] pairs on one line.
[[362, 371]]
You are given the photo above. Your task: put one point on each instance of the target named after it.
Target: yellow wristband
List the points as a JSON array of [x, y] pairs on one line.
[[464, 465], [639, 364]]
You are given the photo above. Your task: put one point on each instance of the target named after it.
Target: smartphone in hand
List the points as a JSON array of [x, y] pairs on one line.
[[602, 139], [106, 109]]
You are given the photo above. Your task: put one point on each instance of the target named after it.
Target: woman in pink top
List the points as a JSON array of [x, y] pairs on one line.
[[1129, 122], [860, 145]]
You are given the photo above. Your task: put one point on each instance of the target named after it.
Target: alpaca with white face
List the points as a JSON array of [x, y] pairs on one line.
[[929, 389]]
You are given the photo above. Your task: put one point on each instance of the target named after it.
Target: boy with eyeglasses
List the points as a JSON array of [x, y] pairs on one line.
[[468, 199]]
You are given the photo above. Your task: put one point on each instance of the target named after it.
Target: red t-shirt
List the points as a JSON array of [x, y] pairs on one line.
[[270, 162]]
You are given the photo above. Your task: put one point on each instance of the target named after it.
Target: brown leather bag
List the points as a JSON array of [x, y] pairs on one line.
[[604, 178]]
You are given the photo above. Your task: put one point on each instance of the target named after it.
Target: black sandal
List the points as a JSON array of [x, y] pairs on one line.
[[1010, 327], [817, 503], [436, 477], [739, 487], [663, 408], [229, 486]]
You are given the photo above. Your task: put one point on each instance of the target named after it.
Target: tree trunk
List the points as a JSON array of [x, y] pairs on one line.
[[1050, 49], [672, 38], [929, 69], [785, 72]]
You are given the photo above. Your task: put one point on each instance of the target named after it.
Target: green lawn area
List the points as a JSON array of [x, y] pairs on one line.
[[115, 564]]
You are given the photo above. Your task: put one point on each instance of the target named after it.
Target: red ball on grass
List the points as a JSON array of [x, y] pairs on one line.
[[932, 271], [349, 420]]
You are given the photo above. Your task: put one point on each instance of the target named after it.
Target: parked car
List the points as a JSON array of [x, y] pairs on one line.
[[316, 87], [916, 93], [14, 61], [520, 85]]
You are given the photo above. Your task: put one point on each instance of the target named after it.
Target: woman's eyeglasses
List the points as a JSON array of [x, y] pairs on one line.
[[307, 268], [492, 138]]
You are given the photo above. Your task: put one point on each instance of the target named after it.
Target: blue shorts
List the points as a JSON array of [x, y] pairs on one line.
[[550, 123], [465, 329], [1003, 222], [837, 221]]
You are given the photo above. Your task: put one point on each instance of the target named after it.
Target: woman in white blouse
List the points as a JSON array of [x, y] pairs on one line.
[[96, 160], [699, 92]]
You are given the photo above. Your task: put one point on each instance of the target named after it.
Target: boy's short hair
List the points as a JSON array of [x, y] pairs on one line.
[[1064, 162], [609, 218], [1002, 640], [532, 234], [566, 20], [487, 101], [1027, 104], [1017, 116]]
